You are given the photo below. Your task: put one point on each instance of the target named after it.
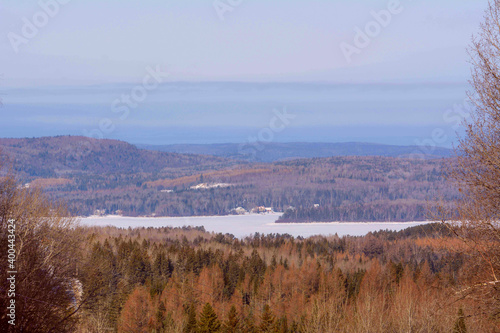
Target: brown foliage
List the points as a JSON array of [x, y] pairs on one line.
[[48, 295], [137, 313], [477, 171]]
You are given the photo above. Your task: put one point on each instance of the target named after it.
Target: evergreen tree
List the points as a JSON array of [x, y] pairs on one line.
[[285, 263], [232, 323], [160, 317], [249, 323], [266, 320], [460, 323], [191, 324], [209, 323], [274, 262], [159, 264], [139, 267]]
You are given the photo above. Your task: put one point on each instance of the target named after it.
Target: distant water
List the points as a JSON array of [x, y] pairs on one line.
[[222, 112], [244, 225]]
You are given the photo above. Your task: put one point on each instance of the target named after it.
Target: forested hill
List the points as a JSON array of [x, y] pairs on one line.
[[113, 177], [275, 151], [52, 157]]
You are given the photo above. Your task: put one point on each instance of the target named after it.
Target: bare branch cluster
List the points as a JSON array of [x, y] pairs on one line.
[[47, 291], [477, 168]]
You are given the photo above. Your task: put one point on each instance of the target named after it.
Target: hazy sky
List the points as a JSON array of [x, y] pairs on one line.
[[90, 41], [394, 69]]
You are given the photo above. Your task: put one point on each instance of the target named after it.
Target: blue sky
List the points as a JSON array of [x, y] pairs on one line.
[[63, 78]]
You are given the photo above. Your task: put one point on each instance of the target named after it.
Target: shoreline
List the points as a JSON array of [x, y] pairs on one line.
[[174, 217], [105, 217], [348, 222]]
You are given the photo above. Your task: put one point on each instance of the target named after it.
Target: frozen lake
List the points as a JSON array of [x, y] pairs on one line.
[[244, 225]]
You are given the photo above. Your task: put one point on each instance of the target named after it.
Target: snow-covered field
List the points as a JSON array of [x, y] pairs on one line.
[[244, 225]]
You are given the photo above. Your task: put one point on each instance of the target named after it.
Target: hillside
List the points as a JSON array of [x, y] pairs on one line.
[[55, 157], [275, 151], [410, 273], [116, 177]]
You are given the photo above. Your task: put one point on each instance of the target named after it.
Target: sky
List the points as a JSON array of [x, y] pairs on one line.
[[63, 64]]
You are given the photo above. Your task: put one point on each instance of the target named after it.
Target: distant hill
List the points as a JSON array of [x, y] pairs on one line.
[[96, 176], [272, 152], [58, 156]]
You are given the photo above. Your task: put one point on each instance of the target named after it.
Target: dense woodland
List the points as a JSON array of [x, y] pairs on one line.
[[112, 176], [82, 279], [186, 280]]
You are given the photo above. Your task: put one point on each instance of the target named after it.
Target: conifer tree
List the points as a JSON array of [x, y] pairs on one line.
[[209, 322], [249, 323], [232, 323], [266, 320], [160, 317], [139, 267], [274, 262], [159, 264], [191, 324]]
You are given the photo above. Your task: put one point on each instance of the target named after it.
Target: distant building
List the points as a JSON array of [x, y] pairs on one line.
[[100, 212], [258, 209], [316, 205], [119, 212], [207, 186], [166, 191], [239, 211], [262, 209]]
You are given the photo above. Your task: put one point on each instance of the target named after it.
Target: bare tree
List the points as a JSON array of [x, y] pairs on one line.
[[47, 292], [477, 168]]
